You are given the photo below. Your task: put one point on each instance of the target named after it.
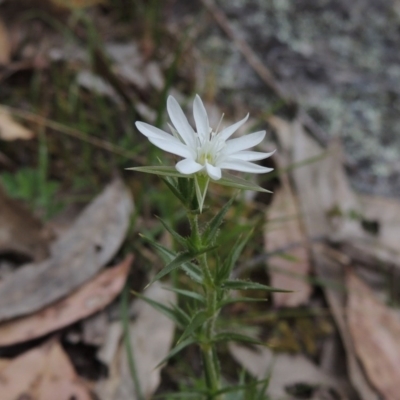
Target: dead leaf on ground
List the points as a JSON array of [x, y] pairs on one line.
[[285, 371], [5, 47], [326, 201], [20, 231], [43, 373], [151, 336], [88, 299], [290, 269], [76, 256], [375, 330], [12, 130]]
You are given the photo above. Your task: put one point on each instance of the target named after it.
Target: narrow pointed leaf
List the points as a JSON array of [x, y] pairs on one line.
[[234, 300], [178, 261], [175, 350], [175, 263], [239, 183], [169, 182], [235, 337], [181, 315], [232, 258], [187, 293], [248, 285], [212, 228], [193, 271], [167, 311], [180, 239], [168, 255], [199, 318], [161, 170]]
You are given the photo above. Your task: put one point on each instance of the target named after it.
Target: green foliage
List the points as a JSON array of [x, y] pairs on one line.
[[169, 312], [226, 268], [199, 318], [211, 230], [188, 293], [235, 337], [211, 285], [27, 184]]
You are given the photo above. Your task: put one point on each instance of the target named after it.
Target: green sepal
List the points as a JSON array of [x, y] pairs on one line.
[[224, 271], [176, 349], [162, 170], [239, 183], [212, 228], [180, 239], [234, 300], [198, 319], [248, 285], [201, 185], [235, 337], [187, 293], [167, 311]]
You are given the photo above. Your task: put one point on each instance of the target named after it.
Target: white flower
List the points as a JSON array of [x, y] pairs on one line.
[[206, 151]]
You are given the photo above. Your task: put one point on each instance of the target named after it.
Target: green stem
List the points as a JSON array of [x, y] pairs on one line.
[[211, 366]]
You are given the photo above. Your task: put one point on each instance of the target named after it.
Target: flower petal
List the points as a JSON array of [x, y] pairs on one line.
[[251, 155], [152, 131], [201, 118], [230, 130], [180, 122], [243, 166], [188, 166], [243, 142], [213, 172], [173, 146]]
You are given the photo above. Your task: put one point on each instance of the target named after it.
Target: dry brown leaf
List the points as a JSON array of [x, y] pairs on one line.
[[10, 129], [285, 370], [282, 230], [375, 330], [151, 336], [20, 231], [326, 200], [77, 255], [43, 373], [88, 299], [5, 47]]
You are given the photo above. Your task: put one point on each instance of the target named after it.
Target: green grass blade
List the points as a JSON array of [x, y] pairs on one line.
[[128, 344]]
